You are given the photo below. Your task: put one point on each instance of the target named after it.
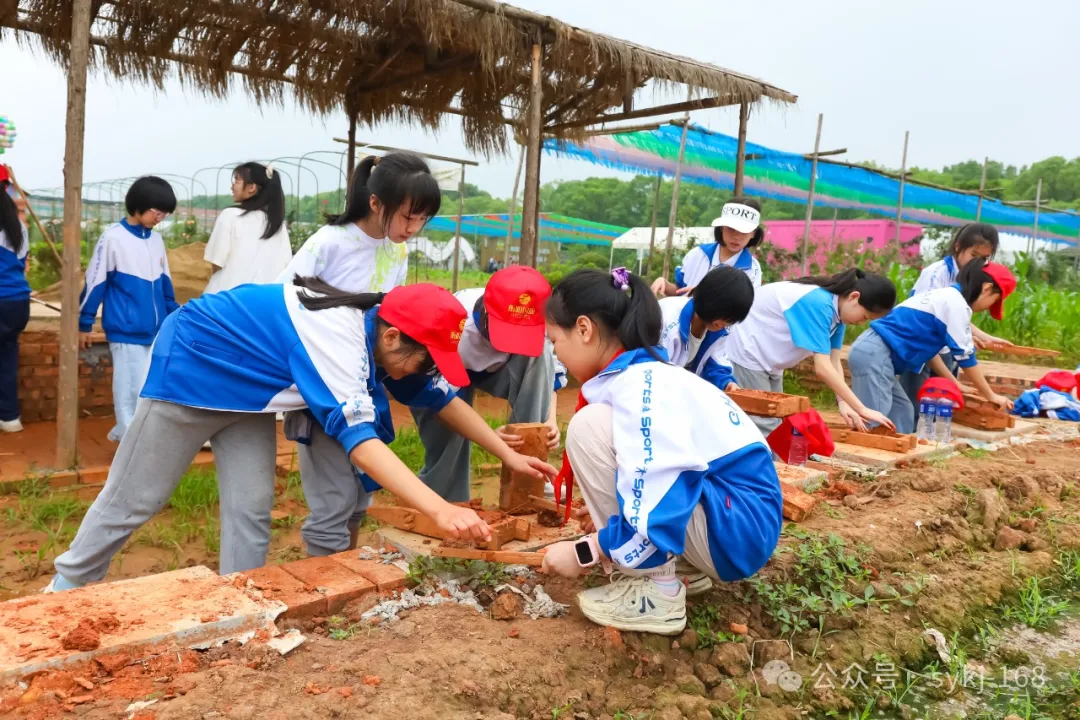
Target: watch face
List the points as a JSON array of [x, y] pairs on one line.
[[584, 552]]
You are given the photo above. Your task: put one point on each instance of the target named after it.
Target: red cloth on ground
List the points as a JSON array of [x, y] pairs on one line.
[[810, 425]]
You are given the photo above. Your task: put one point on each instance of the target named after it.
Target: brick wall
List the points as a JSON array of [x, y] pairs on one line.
[[39, 370]]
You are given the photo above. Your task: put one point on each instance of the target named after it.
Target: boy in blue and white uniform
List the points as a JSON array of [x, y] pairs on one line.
[[694, 324], [736, 231], [226, 363], [14, 302], [921, 328], [129, 273], [667, 464]]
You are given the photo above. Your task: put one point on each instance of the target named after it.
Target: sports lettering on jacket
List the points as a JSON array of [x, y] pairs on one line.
[[647, 449]]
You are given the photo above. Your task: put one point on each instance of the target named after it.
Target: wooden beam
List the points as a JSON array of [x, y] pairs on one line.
[[350, 161], [740, 153], [67, 416], [457, 232], [530, 205], [652, 227], [33, 216], [701, 104], [513, 205], [810, 198], [1022, 350], [508, 557], [430, 156], [676, 183]]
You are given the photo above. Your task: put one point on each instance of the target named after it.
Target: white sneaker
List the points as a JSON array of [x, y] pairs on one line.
[[11, 426], [635, 604], [696, 582], [58, 584]]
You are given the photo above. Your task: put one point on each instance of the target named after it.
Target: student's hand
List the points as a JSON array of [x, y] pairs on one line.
[[683, 291], [876, 417], [659, 287], [514, 441], [731, 386], [1001, 401], [461, 522], [530, 466], [84, 341], [554, 435], [561, 559], [584, 519], [851, 417]]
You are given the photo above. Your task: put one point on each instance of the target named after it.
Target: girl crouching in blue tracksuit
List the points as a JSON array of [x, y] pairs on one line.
[[668, 465], [693, 324], [224, 364], [914, 334]]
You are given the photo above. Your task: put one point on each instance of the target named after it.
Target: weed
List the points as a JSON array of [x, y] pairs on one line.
[[833, 512], [32, 562], [557, 711], [294, 489], [340, 628], [196, 495], [736, 708], [975, 454], [1068, 564], [702, 619], [476, 574], [963, 489], [1033, 608]]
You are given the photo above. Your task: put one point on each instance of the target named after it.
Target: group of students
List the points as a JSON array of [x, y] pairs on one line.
[[679, 484]]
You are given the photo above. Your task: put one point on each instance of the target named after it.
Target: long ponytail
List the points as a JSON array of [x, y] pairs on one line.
[[269, 198], [327, 296], [629, 313], [9, 219], [397, 179], [876, 292]]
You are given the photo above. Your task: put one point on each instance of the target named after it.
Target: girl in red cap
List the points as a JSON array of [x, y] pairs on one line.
[[14, 303], [507, 355], [224, 364], [915, 332]]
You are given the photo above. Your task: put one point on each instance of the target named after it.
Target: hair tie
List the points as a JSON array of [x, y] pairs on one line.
[[269, 171], [621, 278]]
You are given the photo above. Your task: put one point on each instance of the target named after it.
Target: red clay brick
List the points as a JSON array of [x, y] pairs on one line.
[[385, 577], [63, 478], [341, 583], [302, 600], [94, 475], [47, 371]]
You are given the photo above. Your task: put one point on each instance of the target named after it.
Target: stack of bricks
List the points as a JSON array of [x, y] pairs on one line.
[[39, 371]]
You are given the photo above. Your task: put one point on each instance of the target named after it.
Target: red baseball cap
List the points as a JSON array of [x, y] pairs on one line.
[[514, 299], [1061, 380], [1006, 281], [5, 174], [433, 317]]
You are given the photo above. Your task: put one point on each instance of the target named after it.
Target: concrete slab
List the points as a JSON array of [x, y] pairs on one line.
[[883, 459], [185, 607], [1023, 427]]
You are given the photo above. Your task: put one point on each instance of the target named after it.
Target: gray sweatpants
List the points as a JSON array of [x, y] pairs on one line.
[[335, 497], [526, 383], [913, 382], [759, 380], [874, 381], [156, 451]]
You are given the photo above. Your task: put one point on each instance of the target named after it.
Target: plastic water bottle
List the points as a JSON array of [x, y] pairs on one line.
[[943, 424], [927, 415], [797, 452]]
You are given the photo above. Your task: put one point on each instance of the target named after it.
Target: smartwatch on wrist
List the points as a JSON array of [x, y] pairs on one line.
[[587, 552]]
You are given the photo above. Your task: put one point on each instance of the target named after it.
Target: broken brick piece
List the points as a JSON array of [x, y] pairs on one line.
[[797, 504], [385, 577], [301, 599], [341, 583]]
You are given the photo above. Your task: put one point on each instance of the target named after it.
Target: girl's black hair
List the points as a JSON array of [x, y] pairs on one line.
[[394, 178], [632, 316], [150, 193], [759, 234], [269, 198], [876, 293], [9, 219], [481, 313], [971, 279], [974, 234], [723, 294], [322, 295]]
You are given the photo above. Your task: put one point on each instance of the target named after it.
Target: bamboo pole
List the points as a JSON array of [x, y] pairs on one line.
[[350, 163], [67, 415], [1035, 227], [832, 238], [700, 104], [675, 190], [740, 155], [531, 201], [900, 197], [457, 233], [513, 203], [810, 198], [982, 188], [34, 217], [652, 230]]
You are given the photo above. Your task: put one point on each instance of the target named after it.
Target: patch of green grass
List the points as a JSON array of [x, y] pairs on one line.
[[340, 628], [1068, 564], [476, 574], [1033, 607], [196, 495], [559, 710], [294, 488], [703, 620], [975, 453], [822, 398], [737, 708], [409, 449]]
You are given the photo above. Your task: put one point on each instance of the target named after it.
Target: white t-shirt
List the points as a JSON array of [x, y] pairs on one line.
[[237, 246], [693, 344], [350, 260]]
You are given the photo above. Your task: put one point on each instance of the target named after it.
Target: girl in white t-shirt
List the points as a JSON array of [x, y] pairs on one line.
[[362, 250], [250, 243]]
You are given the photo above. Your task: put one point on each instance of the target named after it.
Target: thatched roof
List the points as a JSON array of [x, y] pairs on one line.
[[397, 60]]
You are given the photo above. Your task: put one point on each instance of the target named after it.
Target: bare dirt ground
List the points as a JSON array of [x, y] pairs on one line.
[[951, 545]]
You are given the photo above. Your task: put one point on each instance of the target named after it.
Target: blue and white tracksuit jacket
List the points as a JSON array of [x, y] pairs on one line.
[[925, 325], [129, 271], [709, 362], [1048, 402], [700, 260], [255, 348], [940, 274], [480, 357], [679, 443], [13, 284]]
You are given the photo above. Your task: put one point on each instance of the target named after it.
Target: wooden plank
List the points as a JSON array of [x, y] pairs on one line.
[[769, 404], [895, 443], [407, 519], [797, 504], [500, 556], [516, 488], [1022, 350], [544, 504]]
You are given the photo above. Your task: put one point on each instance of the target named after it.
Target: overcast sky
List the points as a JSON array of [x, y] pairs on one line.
[[967, 78]]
